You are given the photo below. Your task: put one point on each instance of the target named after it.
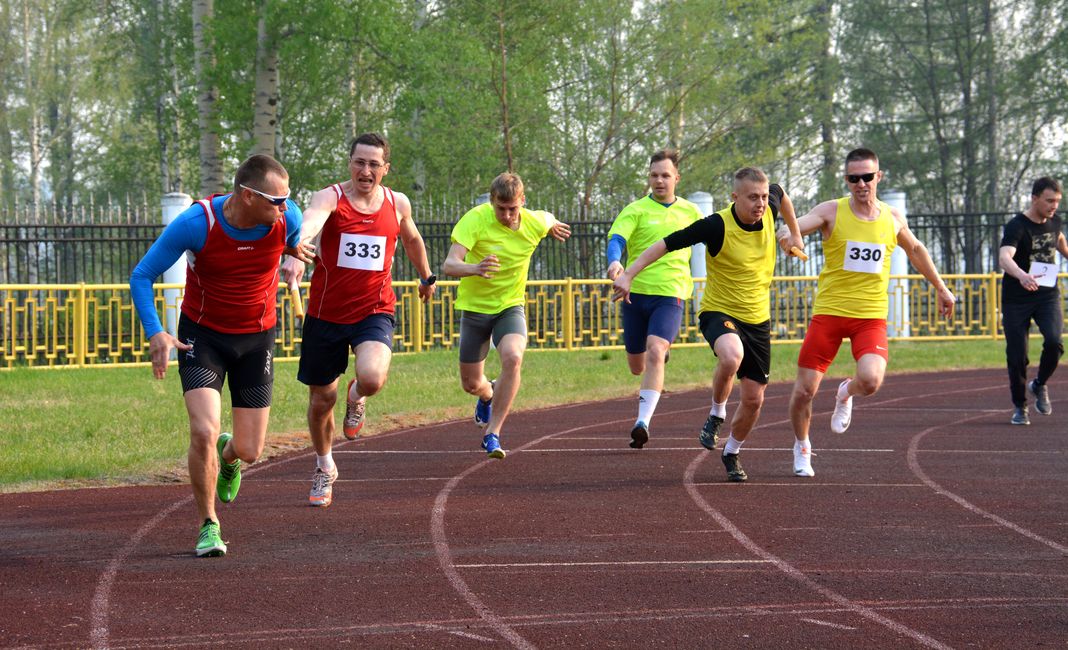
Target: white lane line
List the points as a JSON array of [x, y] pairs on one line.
[[836, 626], [521, 565], [800, 482], [914, 465]]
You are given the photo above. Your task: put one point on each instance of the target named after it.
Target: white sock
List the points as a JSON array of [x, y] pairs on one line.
[[843, 390], [647, 400], [803, 445], [719, 409], [325, 463], [732, 446]]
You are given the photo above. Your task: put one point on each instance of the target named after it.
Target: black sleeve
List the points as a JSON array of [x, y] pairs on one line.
[[1014, 231], [775, 194], [707, 231]]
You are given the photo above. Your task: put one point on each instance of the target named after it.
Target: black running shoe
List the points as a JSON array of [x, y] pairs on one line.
[[735, 473], [709, 435], [639, 435]]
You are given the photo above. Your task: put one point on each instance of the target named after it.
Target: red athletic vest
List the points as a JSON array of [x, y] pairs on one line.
[[231, 285], [354, 262]]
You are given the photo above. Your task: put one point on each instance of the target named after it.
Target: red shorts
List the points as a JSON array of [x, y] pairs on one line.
[[825, 334]]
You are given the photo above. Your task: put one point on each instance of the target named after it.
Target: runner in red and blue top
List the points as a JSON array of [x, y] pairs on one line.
[[233, 243], [351, 301]]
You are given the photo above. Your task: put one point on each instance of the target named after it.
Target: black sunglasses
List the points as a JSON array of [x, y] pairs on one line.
[[856, 178]]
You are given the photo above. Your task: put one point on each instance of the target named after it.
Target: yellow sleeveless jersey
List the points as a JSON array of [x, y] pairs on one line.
[[856, 267], [739, 276]]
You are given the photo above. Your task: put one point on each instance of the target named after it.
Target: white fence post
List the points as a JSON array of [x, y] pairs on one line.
[[173, 204], [703, 200], [898, 318]]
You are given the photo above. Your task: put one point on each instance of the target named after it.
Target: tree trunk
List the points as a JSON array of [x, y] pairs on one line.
[[502, 91], [829, 185], [265, 115], [33, 137], [990, 80], [211, 175]]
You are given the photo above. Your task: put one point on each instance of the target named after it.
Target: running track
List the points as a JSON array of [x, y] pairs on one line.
[[931, 523]]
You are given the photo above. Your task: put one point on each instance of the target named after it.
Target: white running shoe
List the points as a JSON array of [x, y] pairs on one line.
[[803, 461], [843, 411]]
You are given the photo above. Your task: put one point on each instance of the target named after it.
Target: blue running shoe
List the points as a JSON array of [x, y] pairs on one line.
[[483, 410], [492, 444]]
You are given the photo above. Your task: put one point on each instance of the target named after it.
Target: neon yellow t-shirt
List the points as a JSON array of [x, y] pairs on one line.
[[481, 234], [739, 277], [645, 222], [856, 264]]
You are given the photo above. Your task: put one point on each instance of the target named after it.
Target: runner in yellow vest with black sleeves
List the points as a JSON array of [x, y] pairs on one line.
[[651, 320], [735, 314], [859, 234]]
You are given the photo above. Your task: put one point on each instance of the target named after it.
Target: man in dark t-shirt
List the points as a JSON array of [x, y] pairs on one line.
[[1029, 291]]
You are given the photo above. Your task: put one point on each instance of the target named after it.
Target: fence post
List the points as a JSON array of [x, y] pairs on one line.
[[173, 204], [81, 328], [992, 291], [899, 265], [569, 314], [417, 321]]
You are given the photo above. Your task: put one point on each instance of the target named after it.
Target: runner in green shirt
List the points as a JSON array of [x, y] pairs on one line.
[[491, 249], [652, 318]]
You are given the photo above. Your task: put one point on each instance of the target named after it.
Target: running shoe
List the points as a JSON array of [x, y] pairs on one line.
[[492, 444], [483, 410], [1019, 416], [322, 491], [843, 411], [229, 481], [709, 436], [735, 473], [803, 461], [209, 543], [353, 414], [639, 435], [1041, 394]]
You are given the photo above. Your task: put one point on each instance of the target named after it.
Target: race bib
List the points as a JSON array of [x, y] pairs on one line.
[[363, 252], [864, 257], [1045, 274]]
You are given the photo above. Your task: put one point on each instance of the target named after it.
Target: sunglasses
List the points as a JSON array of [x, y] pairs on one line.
[[273, 200], [856, 178]]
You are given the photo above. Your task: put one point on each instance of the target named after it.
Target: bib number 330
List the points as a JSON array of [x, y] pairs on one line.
[[864, 257], [363, 252]]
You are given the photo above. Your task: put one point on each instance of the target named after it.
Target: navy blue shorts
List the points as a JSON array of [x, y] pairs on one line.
[[324, 346], [647, 315]]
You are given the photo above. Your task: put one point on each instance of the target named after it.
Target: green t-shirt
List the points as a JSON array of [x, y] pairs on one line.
[[645, 222], [481, 234]]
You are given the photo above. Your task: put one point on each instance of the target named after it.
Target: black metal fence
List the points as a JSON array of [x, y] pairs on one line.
[[107, 253]]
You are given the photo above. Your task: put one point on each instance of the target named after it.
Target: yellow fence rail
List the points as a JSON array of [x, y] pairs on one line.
[[76, 325]]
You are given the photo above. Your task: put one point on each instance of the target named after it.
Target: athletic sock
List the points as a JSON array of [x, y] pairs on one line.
[[325, 462], [647, 400], [732, 446], [843, 390], [806, 445], [719, 409]]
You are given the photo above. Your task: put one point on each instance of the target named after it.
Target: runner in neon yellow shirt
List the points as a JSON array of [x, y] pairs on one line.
[[491, 249], [652, 317]]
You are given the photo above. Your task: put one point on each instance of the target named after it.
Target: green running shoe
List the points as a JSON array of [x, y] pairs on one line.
[[229, 481], [210, 544]]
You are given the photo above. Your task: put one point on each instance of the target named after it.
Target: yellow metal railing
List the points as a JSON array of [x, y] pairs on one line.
[[77, 325]]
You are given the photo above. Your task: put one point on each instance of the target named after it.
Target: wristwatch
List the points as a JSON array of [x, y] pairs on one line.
[[431, 279]]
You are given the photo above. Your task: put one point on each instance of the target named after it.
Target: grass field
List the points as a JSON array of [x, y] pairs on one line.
[[100, 426]]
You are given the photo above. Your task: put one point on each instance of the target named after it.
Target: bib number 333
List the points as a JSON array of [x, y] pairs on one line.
[[363, 252], [864, 257]]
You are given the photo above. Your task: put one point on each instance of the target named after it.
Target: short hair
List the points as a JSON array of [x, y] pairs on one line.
[[1043, 184], [665, 154], [860, 153], [753, 174], [253, 172], [506, 187], [371, 139]]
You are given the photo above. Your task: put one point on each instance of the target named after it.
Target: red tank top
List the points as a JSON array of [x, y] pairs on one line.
[[354, 262], [231, 285]]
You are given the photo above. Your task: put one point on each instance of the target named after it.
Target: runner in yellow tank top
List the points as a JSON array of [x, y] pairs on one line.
[[735, 315], [859, 233]]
